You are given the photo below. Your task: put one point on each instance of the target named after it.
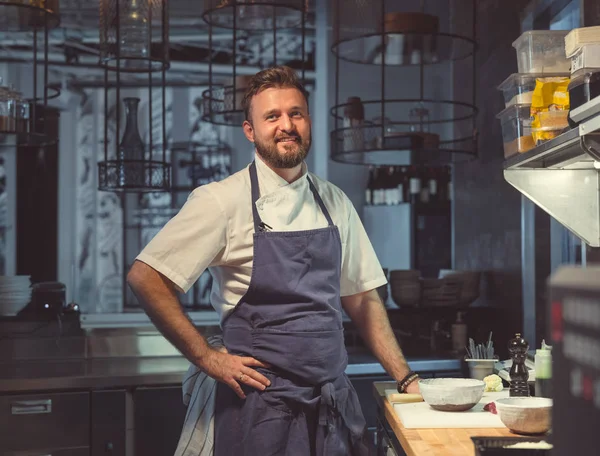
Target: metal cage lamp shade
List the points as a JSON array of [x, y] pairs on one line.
[[134, 38], [394, 103], [195, 164], [254, 14], [23, 110], [246, 19]]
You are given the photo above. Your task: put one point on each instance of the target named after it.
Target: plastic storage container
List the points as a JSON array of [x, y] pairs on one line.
[[579, 37], [516, 129], [552, 124], [518, 87], [586, 57], [584, 85], [542, 51]]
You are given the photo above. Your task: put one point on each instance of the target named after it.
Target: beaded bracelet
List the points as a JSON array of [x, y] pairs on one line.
[[407, 380]]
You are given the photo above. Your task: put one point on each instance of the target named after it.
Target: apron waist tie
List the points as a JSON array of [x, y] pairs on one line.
[[327, 405], [334, 440]]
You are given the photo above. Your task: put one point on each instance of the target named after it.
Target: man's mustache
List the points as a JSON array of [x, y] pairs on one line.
[[283, 138]]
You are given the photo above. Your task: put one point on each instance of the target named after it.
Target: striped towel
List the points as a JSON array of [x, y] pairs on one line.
[[199, 394]]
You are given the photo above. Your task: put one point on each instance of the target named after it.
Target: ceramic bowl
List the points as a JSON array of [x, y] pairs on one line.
[[451, 394], [525, 415]]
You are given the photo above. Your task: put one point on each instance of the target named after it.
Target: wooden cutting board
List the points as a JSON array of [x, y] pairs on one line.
[[419, 415]]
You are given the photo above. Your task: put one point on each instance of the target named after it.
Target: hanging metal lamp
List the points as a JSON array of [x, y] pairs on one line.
[[134, 38], [24, 99], [195, 164], [247, 21], [396, 100]]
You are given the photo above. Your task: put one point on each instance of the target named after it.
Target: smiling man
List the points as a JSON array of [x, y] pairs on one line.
[[288, 254], [279, 127]]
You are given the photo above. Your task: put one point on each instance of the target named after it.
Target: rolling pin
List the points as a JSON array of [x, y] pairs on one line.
[[403, 398]]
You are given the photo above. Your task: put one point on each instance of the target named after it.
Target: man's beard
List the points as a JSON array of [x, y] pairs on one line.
[[270, 154]]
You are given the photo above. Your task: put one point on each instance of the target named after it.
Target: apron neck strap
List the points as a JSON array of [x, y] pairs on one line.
[[256, 195], [320, 202]]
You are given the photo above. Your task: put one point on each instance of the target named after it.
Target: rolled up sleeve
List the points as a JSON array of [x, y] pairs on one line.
[[193, 240], [361, 270]]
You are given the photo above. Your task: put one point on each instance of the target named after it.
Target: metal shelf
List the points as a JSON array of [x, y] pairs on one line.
[[434, 143], [366, 49], [389, 107], [562, 177]]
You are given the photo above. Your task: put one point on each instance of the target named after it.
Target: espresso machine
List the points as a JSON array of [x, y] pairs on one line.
[[48, 300]]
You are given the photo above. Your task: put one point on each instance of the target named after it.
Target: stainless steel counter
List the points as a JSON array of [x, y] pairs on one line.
[[29, 376]]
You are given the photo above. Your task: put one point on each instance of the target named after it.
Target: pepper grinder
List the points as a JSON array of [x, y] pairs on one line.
[[519, 374]]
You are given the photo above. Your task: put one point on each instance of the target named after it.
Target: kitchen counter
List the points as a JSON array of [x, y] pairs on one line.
[[166, 370], [430, 442]]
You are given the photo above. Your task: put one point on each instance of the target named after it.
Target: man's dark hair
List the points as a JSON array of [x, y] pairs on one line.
[[279, 77]]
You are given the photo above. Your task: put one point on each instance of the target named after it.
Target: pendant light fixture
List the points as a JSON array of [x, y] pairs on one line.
[[134, 38], [24, 99], [396, 100], [246, 20], [195, 164]]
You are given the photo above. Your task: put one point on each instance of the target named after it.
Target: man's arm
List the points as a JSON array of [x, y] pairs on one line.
[[370, 317], [157, 296]]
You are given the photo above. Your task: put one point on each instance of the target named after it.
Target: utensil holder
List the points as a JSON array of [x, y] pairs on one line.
[[480, 368]]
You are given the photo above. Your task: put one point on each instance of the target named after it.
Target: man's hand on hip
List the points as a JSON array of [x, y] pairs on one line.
[[234, 370]]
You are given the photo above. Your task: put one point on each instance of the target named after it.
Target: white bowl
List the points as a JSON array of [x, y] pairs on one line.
[[451, 394], [525, 415]]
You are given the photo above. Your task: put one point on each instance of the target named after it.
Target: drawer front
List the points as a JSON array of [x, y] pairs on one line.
[[32, 422], [63, 452], [109, 423]]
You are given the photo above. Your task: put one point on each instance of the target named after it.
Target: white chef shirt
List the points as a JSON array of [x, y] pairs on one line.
[[214, 230]]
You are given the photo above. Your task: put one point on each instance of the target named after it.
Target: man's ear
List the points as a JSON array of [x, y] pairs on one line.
[[248, 130]]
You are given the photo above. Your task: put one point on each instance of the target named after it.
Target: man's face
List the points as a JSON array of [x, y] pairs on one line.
[[279, 126]]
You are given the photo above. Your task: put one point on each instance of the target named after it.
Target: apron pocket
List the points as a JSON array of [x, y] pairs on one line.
[[314, 357], [286, 396], [274, 403]]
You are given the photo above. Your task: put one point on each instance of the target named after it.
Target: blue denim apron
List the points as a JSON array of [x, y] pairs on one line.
[[291, 318]]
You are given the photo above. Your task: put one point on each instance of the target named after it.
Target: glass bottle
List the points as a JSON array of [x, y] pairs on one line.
[[354, 116], [433, 184], [424, 194], [419, 118], [131, 148], [402, 186], [415, 185], [19, 111], [134, 32], [5, 108], [370, 187]]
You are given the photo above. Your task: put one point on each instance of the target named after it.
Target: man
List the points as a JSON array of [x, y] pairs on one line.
[[288, 253]]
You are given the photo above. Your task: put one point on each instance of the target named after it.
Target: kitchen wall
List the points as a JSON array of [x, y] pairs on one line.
[[487, 210]]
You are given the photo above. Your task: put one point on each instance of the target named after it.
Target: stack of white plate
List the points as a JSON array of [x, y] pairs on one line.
[[15, 293]]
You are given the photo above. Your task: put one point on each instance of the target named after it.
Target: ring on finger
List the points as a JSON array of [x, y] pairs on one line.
[[242, 375]]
